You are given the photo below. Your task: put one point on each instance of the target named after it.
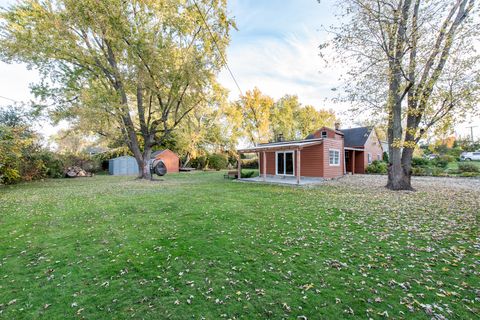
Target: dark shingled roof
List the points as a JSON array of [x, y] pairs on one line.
[[156, 153], [356, 137]]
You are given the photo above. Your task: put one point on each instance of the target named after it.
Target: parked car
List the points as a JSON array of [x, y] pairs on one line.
[[470, 156]]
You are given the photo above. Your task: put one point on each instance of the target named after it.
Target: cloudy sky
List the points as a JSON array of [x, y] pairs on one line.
[[275, 49]]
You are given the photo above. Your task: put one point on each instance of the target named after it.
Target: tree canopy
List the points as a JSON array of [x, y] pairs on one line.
[[259, 118], [127, 69], [413, 61]]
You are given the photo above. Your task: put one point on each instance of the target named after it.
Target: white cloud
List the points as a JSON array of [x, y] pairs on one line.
[[284, 65]]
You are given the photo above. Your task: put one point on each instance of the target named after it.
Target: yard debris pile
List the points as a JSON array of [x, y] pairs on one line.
[[75, 171]]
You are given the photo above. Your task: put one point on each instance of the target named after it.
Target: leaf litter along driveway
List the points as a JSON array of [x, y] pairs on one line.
[[420, 183]]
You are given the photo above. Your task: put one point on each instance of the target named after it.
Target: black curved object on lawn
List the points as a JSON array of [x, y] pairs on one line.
[[159, 168]]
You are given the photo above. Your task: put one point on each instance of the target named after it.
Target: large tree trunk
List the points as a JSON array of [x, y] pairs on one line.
[[399, 177], [399, 180], [145, 169]]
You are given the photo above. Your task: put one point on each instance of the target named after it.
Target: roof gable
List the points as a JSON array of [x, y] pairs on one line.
[[317, 133], [356, 137], [163, 153], [157, 153]]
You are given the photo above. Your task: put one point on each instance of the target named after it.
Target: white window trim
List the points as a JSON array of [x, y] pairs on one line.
[[324, 134], [339, 158], [369, 158], [284, 163]]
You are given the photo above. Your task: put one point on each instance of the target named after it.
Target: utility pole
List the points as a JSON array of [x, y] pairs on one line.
[[471, 131]]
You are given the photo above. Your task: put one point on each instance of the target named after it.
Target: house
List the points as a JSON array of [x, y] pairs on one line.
[[326, 153], [362, 145], [169, 158]]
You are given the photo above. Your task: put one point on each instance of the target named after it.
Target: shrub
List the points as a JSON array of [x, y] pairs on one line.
[[217, 161], [418, 162], [53, 164], [419, 171], [468, 167], [470, 174], [455, 152], [199, 162], [12, 144], [439, 162], [250, 163], [448, 158], [248, 174], [377, 167], [32, 169], [437, 172], [8, 175], [428, 171], [385, 156]]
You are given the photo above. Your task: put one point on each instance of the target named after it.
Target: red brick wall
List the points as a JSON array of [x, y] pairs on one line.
[[372, 146]]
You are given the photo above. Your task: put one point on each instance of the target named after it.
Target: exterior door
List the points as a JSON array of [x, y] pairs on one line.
[[285, 163]]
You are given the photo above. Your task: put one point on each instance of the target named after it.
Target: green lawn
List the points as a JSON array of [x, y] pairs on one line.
[[196, 245]]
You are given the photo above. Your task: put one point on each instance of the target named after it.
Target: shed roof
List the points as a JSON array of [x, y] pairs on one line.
[[123, 157], [156, 153], [159, 152]]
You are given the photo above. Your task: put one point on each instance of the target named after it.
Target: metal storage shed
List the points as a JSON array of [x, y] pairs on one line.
[[123, 166]]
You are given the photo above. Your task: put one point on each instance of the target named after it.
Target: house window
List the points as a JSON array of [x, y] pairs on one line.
[[324, 134], [334, 157], [378, 157], [369, 158], [285, 163]]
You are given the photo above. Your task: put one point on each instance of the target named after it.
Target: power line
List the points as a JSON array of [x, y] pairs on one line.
[[218, 48], [2, 97]]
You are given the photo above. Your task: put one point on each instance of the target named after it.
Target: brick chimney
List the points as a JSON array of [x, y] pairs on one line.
[[337, 125]]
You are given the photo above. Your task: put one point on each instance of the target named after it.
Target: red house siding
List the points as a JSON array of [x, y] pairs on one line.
[[331, 171], [270, 162], [311, 161], [331, 134], [314, 160]]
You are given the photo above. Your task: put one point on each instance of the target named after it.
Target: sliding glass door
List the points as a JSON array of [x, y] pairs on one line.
[[285, 163]]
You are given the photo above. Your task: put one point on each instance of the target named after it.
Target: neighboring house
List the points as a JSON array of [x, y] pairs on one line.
[[385, 146], [363, 145], [169, 158], [326, 153]]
